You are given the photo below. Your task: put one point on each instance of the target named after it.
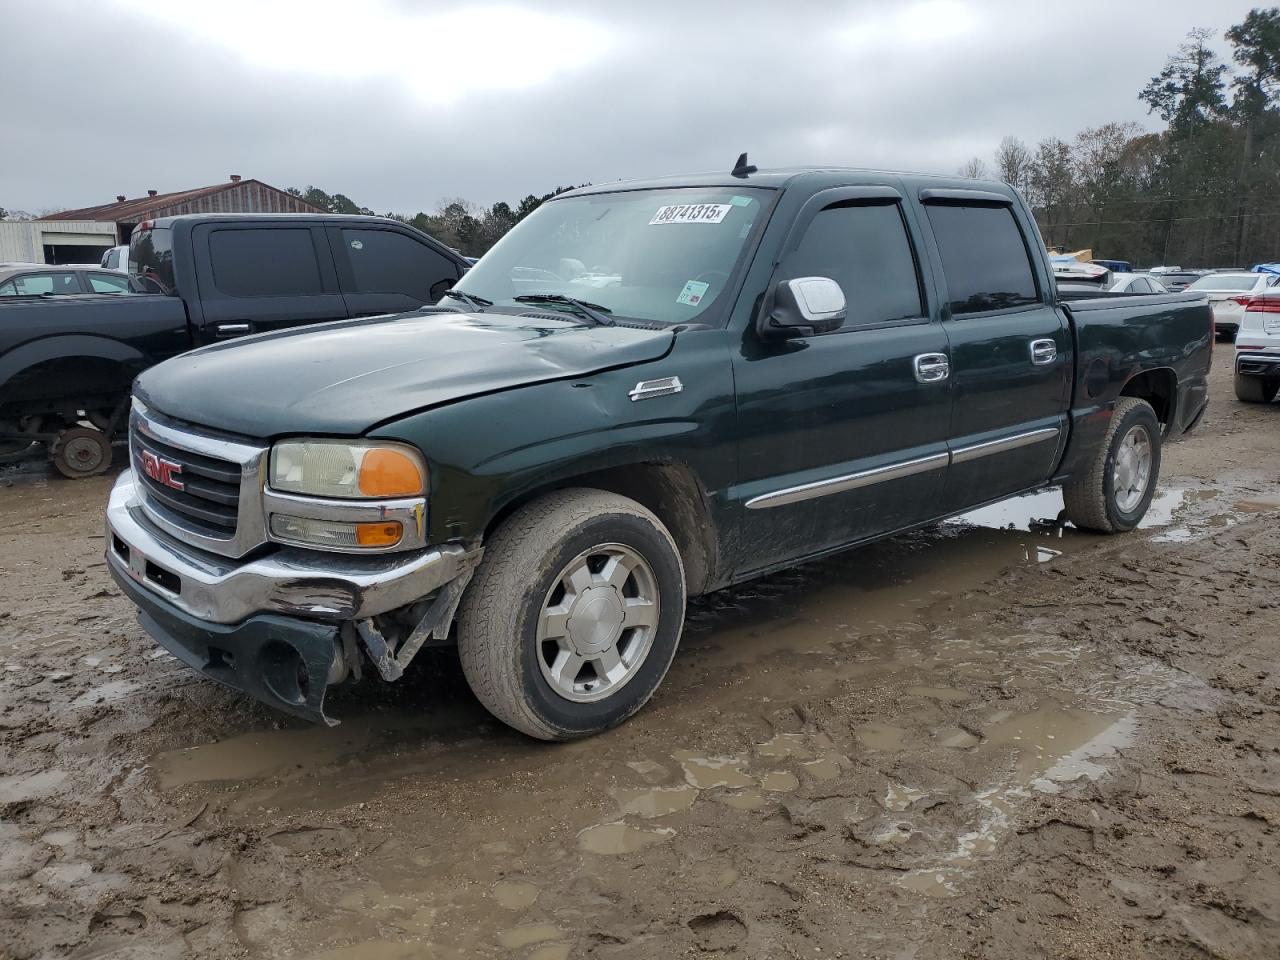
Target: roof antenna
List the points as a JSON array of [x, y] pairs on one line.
[[742, 169]]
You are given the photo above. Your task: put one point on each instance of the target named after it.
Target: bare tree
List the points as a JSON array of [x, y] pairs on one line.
[[973, 168], [1013, 163]]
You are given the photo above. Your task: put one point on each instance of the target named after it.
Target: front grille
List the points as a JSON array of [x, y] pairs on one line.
[[210, 494], [212, 498]]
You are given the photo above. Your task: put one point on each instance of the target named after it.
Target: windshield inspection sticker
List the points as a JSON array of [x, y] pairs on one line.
[[693, 293], [691, 213]]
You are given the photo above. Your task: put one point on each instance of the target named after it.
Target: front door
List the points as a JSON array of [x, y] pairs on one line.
[[386, 270], [844, 434], [1011, 350]]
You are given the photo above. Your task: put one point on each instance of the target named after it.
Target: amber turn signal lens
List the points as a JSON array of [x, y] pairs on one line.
[[389, 473], [383, 533]]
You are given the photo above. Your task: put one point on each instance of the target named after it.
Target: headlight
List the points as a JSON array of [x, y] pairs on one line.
[[342, 469]]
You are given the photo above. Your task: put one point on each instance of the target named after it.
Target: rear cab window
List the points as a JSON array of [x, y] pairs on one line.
[[985, 259], [151, 260], [265, 262]]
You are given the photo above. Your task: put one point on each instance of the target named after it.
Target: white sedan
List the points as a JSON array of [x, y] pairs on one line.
[[1229, 294]]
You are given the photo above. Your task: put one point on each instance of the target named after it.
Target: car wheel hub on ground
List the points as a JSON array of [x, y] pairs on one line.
[[1132, 470], [597, 622], [83, 453]]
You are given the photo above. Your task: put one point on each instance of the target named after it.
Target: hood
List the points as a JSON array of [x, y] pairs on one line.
[[343, 378]]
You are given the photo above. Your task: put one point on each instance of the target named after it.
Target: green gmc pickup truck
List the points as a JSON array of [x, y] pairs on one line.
[[644, 392]]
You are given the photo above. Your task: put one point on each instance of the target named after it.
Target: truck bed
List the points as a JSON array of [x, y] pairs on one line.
[[1167, 337], [82, 347]]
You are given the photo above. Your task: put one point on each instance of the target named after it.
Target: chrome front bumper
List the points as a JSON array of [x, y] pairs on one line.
[[294, 582]]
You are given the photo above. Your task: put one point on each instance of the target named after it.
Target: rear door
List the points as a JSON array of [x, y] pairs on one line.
[[383, 269], [844, 435], [1010, 346], [265, 275]]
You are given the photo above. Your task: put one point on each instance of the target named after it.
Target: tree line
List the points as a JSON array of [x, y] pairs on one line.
[[458, 223], [1204, 192]]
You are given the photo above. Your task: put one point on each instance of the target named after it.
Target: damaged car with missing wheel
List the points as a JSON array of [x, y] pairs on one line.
[[644, 392]]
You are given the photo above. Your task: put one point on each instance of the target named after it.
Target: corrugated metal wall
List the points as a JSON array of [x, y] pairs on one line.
[[248, 197], [22, 241]]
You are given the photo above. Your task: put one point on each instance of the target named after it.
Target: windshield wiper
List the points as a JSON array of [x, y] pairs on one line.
[[474, 302], [592, 311]]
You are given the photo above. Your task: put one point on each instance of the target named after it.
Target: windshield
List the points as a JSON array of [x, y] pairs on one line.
[[1238, 282], [662, 256]]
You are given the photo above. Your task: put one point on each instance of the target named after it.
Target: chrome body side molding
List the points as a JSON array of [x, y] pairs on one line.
[[965, 454], [850, 481], [896, 471]]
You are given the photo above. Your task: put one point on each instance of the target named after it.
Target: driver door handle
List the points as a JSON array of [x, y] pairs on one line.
[[1043, 352], [931, 367]]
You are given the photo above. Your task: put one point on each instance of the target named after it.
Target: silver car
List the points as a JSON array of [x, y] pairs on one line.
[[1228, 295], [43, 279]]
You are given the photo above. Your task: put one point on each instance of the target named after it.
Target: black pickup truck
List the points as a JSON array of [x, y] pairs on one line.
[[645, 391], [66, 363]]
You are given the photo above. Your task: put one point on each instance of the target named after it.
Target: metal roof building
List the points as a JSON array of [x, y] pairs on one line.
[[234, 196], [66, 241]]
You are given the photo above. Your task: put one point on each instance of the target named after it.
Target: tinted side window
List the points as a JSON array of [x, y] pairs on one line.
[[35, 284], [265, 263], [384, 261], [865, 249], [983, 257], [151, 260], [112, 260], [107, 283]]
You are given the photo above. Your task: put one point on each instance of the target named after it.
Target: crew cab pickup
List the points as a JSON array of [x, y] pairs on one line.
[[68, 361], [645, 391]]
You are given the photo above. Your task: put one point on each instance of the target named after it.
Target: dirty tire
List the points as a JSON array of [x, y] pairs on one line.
[[499, 615], [1090, 500], [82, 452], [1255, 389]]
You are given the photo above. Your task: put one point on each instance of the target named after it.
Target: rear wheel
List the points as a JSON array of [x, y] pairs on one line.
[[1255, 389], [82, 452], [1113, 494], [574, 616]]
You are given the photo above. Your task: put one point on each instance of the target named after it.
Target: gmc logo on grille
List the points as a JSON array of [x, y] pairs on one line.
[[161, 470]]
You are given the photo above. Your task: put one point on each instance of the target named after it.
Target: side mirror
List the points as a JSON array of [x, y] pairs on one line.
[[804, 307]]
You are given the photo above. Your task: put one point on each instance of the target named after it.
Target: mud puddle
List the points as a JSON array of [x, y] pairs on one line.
[[1049, 748], [880, 633]]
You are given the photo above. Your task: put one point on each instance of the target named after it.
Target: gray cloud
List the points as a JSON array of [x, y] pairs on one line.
[[110, 99]]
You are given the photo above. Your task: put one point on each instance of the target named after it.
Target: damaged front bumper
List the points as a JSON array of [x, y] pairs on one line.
[[270, 626]]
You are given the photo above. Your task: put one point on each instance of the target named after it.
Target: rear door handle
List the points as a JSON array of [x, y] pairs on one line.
[[231, 329], [1043, 352], [931, 367]]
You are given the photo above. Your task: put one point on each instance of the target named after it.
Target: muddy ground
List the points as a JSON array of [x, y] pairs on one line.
[[969, 742]]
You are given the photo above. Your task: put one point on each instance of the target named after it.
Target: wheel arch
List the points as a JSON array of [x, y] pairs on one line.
[[89, 360], [1158, 387], [669, 489]]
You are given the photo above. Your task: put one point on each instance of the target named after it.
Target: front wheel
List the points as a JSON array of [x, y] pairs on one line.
[[574, 615], [1113, 493]]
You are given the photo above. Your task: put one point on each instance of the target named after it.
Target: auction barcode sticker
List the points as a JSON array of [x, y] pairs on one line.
[[692, 213]]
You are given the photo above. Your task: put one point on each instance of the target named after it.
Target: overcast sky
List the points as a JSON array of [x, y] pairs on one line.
[[399, 104]]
